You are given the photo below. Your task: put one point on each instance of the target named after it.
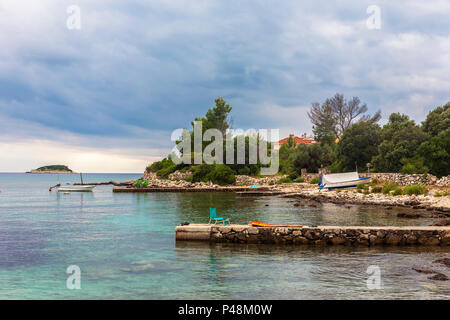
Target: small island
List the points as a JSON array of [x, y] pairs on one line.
[[52, 169]]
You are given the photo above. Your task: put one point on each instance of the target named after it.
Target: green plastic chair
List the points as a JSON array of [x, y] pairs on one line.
[[213, 217]]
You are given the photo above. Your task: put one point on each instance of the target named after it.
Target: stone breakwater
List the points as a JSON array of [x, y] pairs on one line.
[[321, 235]]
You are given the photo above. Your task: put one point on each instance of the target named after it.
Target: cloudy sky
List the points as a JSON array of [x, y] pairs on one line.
[[107, 96]]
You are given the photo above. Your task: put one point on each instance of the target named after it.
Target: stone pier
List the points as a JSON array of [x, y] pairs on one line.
[[320, 235]]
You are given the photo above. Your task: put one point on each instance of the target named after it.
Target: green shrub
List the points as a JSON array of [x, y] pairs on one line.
[[271, 183], [360, 186], [200, 172], [145, 184], [164, 172], [314, 181], [397, 191], [374, 181], [284, 180], [300, 180], [387, 188], [216, 173], [222, 175], [377, 189], [138, 183], [293, 176], [158, 165], [188, 179], [416, 189], [244, 171], [441, 194]]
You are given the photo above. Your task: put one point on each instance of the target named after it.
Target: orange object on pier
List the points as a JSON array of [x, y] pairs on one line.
[[260, 224]]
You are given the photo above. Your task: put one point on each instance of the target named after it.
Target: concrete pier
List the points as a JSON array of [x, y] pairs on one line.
[[174, 189], [320, 235]]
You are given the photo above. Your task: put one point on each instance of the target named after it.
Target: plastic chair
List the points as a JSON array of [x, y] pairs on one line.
[[213, 217]]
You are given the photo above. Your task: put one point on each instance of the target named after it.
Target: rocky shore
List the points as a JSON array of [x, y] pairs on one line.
[[435, 204]]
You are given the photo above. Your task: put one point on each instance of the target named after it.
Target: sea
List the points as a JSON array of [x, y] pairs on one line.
[[105, 245]]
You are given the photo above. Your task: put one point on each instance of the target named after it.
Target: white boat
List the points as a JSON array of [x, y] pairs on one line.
[[73, 188], [341, 180]]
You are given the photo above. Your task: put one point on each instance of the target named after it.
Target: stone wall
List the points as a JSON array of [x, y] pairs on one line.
[[324, 235], [408, 179]]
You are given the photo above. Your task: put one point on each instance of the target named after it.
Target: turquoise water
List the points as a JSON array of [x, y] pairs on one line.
[[124, 246]]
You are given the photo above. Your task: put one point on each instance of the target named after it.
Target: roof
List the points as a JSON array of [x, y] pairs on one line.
[[298, 140]]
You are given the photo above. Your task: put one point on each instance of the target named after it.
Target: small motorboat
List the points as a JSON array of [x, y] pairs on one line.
[[341, 180], [73, 188]]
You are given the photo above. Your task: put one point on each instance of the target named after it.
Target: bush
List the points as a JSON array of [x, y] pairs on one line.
[[314, 181], [222, 175], [188, 179], [388, 188], [164, 172], [441, 194], [300, 180], [397, 191], [360, 186], [271, 183], [416, 189], [145, 184], [284, 180], [293, 176], [216, 173], [374, 181], [377, 189], [138, 183]]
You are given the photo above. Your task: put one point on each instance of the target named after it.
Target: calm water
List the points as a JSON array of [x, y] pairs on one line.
[[124, 245]]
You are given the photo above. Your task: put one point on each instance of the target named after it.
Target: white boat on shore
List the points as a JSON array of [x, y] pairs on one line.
[[341, 180]]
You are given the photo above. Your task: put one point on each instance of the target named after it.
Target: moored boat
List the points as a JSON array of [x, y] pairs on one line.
[[73, 188]]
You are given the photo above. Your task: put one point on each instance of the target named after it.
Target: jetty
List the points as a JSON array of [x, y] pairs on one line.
[[184, 189], [316, 235]]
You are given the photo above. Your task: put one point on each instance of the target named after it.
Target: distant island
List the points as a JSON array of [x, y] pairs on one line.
[[52, 169]]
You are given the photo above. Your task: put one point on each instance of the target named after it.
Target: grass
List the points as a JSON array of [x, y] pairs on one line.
[[387, 188], [377, 189], [397, 191], [284, 180], [441, 194], [314, 181], [415, 189], [300, 180]]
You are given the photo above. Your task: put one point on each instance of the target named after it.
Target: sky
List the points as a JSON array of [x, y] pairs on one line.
[[101, 86]]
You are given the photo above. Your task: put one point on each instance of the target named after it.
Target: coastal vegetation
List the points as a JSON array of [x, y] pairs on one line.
[[53, 168], [349, 138]]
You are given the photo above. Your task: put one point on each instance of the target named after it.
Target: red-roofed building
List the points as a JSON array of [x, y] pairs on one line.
[[304, 139]]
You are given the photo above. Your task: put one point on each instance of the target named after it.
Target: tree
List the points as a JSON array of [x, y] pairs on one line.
[[436, 151], [337, 114], [358, 145], [324, 122], [312, 157], [217, 117], [400, 138]]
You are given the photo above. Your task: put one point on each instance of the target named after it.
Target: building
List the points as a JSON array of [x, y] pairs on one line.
[[303, 139]]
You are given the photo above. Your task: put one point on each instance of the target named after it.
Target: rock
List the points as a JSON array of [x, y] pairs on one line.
[[439, 276], [442, 222], [426, 271], [444, 261]]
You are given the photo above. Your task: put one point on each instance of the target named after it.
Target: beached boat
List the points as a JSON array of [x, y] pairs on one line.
[[341, 180]]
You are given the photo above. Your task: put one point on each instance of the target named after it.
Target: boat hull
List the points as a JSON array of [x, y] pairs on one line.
[[345, 184], [82, 188]]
